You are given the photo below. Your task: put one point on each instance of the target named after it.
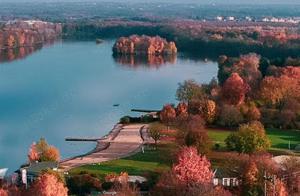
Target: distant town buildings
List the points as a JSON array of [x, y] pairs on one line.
[[290, 20]]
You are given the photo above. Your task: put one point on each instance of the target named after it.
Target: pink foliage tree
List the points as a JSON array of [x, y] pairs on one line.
[[192, 168], [3, 192]]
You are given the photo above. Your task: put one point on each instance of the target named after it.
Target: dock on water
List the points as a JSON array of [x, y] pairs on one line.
[[71, 139]]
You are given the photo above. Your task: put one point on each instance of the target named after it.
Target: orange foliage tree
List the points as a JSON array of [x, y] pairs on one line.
[[277, 188], [234, 90], [42, 151], [167, 114], [182, 109], [48, 184]]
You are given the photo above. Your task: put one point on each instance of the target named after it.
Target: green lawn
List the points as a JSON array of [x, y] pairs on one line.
[[279, 138], [149, 164], [153, 162], [218, 136]]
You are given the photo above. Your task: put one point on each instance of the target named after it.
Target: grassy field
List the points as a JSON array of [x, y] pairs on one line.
[[149, 164], [153, 162], [279, 138]]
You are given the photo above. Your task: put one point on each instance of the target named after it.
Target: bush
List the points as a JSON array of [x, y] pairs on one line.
[[107, 185], [217, 146], [125, 120], [250, 138], [83, 184], [147, 119], [297, 148]]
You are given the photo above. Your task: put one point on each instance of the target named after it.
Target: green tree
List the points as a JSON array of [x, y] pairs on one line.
[[189, 90], [155, 131], [198, 139], [250, 138]]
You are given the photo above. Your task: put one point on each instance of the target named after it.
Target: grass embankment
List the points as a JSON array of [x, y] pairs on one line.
[[149, 164]]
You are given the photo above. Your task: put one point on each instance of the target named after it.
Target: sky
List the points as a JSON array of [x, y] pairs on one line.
[[176, 1]]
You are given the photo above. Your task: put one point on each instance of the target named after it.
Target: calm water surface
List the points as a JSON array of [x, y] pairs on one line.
[[68, 89]]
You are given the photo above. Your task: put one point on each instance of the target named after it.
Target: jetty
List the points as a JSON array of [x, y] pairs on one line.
[[122, 141], [145, 110]]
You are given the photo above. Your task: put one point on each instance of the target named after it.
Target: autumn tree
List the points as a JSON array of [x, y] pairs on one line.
[[167, 114], [209, 111], [251, 180], [121, 185], [277, 188], [247, 66], [289, 114], [9, 190], [190, 90], [48, 184], [250, 112], [42, 151], [230, 116], [291, 167], [3, 192], [198, 139], [190, 176], [274, 90], [234, 90], [193, 123], [205, 107], [33, 154], [191, 167], [250, 138], [182, 109], [155, 131]]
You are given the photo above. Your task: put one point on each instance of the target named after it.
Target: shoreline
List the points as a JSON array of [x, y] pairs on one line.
[[121, 141], [100, 144]]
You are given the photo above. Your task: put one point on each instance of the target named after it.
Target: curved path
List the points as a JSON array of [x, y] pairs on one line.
[[122, 142]]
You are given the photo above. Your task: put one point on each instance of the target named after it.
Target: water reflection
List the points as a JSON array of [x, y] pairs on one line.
[[12, 54], [9, 55], [148, 61]]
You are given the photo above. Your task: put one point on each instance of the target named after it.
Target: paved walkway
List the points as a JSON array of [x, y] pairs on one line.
[[125, 141]]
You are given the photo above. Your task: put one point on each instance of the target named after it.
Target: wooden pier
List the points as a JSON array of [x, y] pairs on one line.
[[71, 139], [145, 111]]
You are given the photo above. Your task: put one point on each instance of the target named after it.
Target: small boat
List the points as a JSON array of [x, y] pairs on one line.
[[116, 105], [99, 41]]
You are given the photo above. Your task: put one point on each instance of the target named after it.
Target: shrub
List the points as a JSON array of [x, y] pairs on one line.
[[83, 184], [217, 146], [107, 185], [147, 119], [297, 148], [250, 138], [125, 120]]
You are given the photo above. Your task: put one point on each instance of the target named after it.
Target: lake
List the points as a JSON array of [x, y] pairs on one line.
[[68, 89]]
